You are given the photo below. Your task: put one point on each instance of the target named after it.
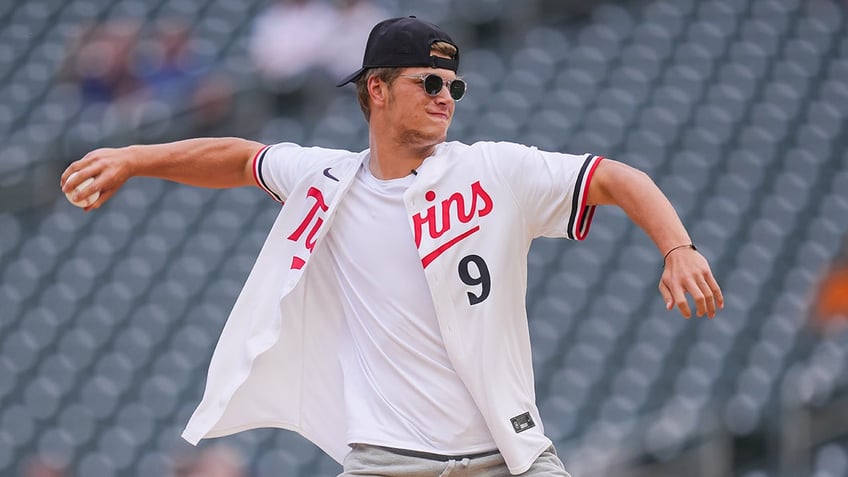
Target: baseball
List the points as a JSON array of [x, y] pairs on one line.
[[80, 188]]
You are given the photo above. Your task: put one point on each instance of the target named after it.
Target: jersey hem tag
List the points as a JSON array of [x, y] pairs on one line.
[[522, 422]]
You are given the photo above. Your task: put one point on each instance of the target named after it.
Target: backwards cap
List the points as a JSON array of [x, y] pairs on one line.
[[403, 42]]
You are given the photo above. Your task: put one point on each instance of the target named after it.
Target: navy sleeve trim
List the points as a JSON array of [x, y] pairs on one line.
[[581, 214], [258, 160]]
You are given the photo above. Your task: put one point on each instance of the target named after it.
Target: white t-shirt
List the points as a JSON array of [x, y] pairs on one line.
[[401, 389]]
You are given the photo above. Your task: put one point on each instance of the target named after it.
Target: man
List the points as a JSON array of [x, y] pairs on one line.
[[384, 319]]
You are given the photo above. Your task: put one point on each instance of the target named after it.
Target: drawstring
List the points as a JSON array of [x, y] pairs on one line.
[[449, 469], [464, 464]]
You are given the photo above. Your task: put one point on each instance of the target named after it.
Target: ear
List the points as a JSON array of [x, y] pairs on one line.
[[378, 90]]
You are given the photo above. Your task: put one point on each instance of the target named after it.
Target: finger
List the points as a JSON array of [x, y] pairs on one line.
[[104, 196], [711, 282], [709, 298], [68, 172], [103, 179], [82, 166], [69, 175], [679, 297], [666, 295], [78, 177], [698, 297], [84, 191], [76, 167]]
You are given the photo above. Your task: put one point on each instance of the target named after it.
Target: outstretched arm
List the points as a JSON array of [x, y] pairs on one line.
[[205, 162], [686, 270]]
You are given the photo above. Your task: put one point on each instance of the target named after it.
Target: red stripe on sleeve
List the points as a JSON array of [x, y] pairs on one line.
[[581, 229], [256, 177], [255, 171]]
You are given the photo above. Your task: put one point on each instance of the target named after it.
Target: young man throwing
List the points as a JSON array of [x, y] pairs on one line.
[[384, 319]]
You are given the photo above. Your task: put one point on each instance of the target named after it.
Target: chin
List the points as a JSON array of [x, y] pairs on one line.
[[439, 134], [424, 138]]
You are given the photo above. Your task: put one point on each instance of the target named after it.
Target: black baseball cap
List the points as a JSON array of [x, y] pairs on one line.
[[402, 42]]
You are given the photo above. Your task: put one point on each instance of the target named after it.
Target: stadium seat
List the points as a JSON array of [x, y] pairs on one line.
[[96, 463], [97, 252], [155, 463], [18, 424], [58, 369], [831, 460], [136, 417], [160, 395]]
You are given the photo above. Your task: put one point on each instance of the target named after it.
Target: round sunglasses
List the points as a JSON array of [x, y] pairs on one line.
[[433, 85]]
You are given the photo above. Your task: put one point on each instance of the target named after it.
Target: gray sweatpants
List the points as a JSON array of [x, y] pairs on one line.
[[372, 461]]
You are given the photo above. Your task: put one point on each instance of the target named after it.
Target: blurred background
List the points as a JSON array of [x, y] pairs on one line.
[[736, 108]]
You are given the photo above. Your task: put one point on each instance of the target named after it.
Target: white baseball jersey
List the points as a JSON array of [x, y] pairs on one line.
[[473, 211]]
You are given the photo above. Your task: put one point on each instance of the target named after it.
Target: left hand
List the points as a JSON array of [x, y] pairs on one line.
[[687, 271]]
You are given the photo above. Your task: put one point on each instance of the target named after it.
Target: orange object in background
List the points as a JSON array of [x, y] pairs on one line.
[[831, 301]]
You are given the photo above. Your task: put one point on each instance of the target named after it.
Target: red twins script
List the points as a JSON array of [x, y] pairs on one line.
[[479, 205], [297, 262], [456, 209]]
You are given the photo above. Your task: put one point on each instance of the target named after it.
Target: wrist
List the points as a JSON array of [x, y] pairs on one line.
[[132, 163], [689, 246]]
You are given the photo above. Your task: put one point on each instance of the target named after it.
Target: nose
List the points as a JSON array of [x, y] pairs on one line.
[[444, 96]]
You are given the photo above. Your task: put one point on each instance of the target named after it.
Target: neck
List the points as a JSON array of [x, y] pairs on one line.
[[390, 160]]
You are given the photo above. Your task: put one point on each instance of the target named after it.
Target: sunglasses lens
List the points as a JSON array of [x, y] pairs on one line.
[[457, 89], [432, 84]]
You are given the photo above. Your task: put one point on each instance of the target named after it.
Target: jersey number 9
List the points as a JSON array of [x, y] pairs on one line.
[[480, 276]]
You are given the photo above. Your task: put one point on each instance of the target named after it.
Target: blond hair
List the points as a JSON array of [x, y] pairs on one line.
[[389, 74]]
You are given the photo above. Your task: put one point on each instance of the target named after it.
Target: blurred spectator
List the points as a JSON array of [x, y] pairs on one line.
[[167, 66], [101, 63], [216, 461], [354, 21], [831, 297], [301, 48], [212, 108], [173, 73], [160, 71], [287, 42]]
